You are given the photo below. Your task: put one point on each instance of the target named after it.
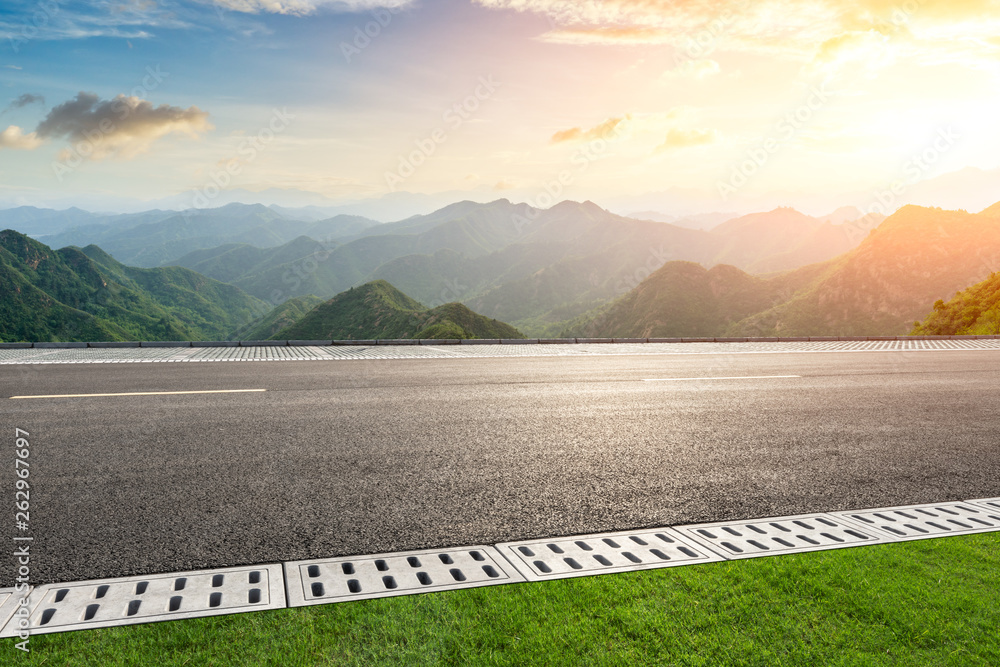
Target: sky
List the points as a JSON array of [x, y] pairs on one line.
[[634, 104]]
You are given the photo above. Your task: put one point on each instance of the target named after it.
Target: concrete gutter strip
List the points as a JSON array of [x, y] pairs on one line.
[[82, 605]]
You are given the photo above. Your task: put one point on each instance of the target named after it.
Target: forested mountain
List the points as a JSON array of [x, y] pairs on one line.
[[916, 256], [377, 310], [85, 295], [975, 311]]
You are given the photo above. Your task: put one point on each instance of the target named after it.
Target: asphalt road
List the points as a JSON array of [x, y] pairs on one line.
[[339, 458]]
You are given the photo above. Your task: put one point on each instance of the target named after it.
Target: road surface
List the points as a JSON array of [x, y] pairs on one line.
[[368, 456]]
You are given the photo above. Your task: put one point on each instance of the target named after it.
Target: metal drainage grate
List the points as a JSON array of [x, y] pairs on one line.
[[992, 504], [109, 602], [913, 522], [10, 601], [585, 555], [781, 535], [364, 577]]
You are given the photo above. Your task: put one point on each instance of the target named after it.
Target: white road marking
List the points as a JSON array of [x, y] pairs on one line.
[[148, 393], [744, 377]]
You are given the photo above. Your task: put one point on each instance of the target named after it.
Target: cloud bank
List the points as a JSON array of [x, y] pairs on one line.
[[119, 127], [820, 31]]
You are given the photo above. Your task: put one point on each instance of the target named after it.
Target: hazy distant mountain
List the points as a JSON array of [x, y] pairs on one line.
[[704, 221], [783, 239], [42, 221], [72, 295], [916, 256], [377, 310], [973, 311], [141, 241], [605, 255]]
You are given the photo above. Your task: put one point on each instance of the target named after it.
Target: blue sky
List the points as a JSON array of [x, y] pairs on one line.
[[603, 100]]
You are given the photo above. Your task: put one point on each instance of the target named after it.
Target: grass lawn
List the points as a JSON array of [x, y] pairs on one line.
[[930, 602]]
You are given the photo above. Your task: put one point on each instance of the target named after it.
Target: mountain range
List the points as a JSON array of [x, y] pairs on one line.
[[533, 268], [915, 257], [574, 269]]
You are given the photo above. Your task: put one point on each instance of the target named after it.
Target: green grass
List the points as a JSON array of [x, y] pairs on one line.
[[932, 602]]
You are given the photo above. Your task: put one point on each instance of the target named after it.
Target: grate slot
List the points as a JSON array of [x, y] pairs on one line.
[[128, 600], [606, 552], [911, 522], [774, 536], [362, 577]]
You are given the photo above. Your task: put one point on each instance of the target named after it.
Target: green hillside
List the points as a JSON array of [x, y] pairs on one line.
[[683, 299], [916, 256], [281, 317], [973, 311], [85, 295], [378, 311]]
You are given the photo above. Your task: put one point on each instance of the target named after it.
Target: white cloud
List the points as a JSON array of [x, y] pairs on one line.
[[15, 138], [699, 69], [686, 139]]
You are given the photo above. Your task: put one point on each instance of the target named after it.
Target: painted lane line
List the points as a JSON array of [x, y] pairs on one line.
[[744, 377], [149, 393]]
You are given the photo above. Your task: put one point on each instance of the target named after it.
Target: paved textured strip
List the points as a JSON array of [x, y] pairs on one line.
[[334, 352], [110, 602], [585, 555], [780, 535], [312, 582], [915, 522]]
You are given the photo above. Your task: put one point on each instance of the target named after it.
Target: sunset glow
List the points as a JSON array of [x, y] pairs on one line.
[[682, 105]]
